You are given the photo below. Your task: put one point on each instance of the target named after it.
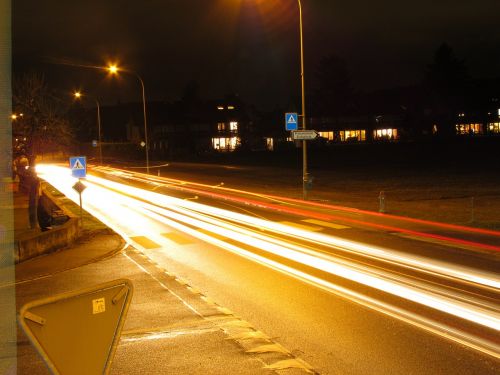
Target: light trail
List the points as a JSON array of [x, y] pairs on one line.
[[417, 263], [455, 227], [221, 193], [139, 212]]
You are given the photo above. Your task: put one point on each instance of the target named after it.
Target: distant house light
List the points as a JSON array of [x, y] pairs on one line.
[[269, 144], [328, 135], [494, 127], [223, 144], [390, 134], [469, 129], [499, 112], [233, 125], [230, 107], [220, 108]]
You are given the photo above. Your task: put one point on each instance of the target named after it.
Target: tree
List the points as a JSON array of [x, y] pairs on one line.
[[447, 80], [42, 126], [447, 75], [43, 120]]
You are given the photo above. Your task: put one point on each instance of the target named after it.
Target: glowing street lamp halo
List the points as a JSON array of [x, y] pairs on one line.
[[112, 68]]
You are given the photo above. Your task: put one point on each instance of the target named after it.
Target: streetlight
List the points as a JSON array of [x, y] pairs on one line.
[[113, 69], [15, 116], [305, 174], [78, 96]]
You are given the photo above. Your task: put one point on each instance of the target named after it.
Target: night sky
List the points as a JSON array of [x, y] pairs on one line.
[[250, 47]]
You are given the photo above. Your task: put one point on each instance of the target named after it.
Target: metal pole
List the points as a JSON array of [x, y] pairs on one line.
[[145, 123], [81, 206], [99, 129], [305, 174]]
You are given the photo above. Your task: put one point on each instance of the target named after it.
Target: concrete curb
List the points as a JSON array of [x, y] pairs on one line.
[[39, 243]]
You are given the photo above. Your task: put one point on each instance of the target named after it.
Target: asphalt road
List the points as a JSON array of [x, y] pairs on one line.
[[347, 291]]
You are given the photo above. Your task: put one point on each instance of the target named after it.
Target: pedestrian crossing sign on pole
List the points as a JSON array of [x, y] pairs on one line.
[[291, 121], [78, 166]]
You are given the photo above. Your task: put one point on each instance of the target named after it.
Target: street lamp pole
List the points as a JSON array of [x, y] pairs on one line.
[[78, 95], [113, 69], [305, 174], [145, 123], [99, 129]]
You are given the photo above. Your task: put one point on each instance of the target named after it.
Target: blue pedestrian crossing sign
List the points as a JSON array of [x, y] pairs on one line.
[[291, 121], [78, 166]]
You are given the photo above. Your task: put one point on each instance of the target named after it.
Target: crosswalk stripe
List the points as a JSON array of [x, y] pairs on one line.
[[325, 224], [178, 238], [145, 242], [301, 226]]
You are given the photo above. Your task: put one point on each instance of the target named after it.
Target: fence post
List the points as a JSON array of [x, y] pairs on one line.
[[472, 219], [381, 200]]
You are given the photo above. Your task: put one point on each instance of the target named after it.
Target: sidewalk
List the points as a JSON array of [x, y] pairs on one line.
[[170, 329]]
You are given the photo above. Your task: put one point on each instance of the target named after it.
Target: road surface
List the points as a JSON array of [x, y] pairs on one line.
[[349, 291]]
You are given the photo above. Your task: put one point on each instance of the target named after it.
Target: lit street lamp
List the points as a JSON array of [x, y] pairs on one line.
[[113, 69], [78, 95]]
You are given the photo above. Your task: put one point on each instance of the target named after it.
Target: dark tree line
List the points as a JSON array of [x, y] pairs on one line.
[[446, 85]]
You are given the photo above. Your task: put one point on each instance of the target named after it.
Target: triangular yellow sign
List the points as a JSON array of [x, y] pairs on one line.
[[77, 332]]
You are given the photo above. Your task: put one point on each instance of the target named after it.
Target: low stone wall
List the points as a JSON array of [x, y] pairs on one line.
[[58, 237]]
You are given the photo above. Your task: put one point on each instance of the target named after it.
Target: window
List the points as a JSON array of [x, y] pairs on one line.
[[385, 134], [469, 129], [494, 127], [233, 126], [225, 144], [221, 126], [230, 107], [352, 135], [327, 135], [269, 144]]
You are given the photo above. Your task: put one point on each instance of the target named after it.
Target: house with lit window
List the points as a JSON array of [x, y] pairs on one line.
[[227, 134], [358, 129], [212, 126]]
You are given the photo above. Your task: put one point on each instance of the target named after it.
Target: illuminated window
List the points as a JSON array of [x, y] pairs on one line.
[[469, 129], [225, 144], [352, 135], [494, 127], [230, 107], [327, 135], [221, 126], [385, 134], [269, 144], [233, 126], [220, 108]]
